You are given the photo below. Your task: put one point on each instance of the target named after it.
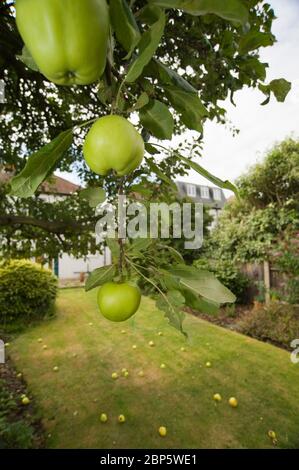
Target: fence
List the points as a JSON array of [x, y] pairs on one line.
[[265, 278]]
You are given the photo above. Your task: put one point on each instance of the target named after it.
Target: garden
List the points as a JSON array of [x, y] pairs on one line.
[[165, 346]]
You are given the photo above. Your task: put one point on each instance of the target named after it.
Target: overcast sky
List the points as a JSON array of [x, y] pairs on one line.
[[260, 126]]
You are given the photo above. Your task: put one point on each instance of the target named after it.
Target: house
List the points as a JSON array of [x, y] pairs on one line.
[[212, 197]]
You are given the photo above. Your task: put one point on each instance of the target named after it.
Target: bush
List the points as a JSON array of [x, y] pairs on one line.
[[229, 275], [277, 323], [27, 293]]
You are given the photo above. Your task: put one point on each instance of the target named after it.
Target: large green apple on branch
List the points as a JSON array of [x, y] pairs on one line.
[[74, 42]]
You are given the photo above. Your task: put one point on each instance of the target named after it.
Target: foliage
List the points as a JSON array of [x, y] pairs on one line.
[[228, 274], [14, 434], [277, 323], [171, 63], [27, 293], [286, 257], [56, 224], [250, 229]]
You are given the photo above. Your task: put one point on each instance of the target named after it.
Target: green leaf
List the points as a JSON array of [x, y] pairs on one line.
[[142, 101], [199, 303], [149, 14], [155, 169], [151, 149], [95, 196], [188, 105], [172, 312], [167, 76], [140, 189], [255, 39], [113, 246], [157, 118], [99, 277], [232, 10], [28, 60], [203, 283], [175, 254], [214, 179], [39, 165], [279, 87], [147, 46], [139, 244], [124, 25]]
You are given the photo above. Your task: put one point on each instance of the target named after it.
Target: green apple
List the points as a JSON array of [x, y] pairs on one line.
[[67, 39], [118, 302], [121, 418], [103, 418], [162, 431], [113, 143]]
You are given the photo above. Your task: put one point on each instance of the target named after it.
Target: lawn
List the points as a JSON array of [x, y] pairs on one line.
[[87, 349]]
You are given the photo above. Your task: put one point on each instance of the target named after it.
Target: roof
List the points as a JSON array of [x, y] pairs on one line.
[[53, 185], [197, 191]]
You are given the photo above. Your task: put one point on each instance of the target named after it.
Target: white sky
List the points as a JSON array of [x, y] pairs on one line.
[[260, 126]]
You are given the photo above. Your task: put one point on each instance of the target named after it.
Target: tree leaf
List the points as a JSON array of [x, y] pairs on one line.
[[28, 60], [199, 303], [142, 101], [151, 149], [95, 196], [138, 245], [203, 283], [99, 276], [113, 246], [124, 25], [172, 312], [167, 76], [39, 165], [279, 87], [157, 118], [188, 105], [147, 46], [255, 39], [176, 255], [232, 10], [155, 169], [214, 179]]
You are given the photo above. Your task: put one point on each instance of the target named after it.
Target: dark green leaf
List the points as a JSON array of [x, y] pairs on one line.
[[155, 169], [39, 165], [139, 244], [232, 10], [124, 25], [157, 118], [175, 254], [147, 46], [167, 76], [151, 149], [95, 196], [255, 39], [214, 179], [142, 101], [188, 105], [99, 277]]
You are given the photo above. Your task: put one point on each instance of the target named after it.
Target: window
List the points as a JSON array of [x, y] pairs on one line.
[[217, 194], [204, 192], [191, 190]]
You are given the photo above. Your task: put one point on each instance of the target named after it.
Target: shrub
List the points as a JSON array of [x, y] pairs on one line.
[[277, 322], [229, 275], [27, 293]]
